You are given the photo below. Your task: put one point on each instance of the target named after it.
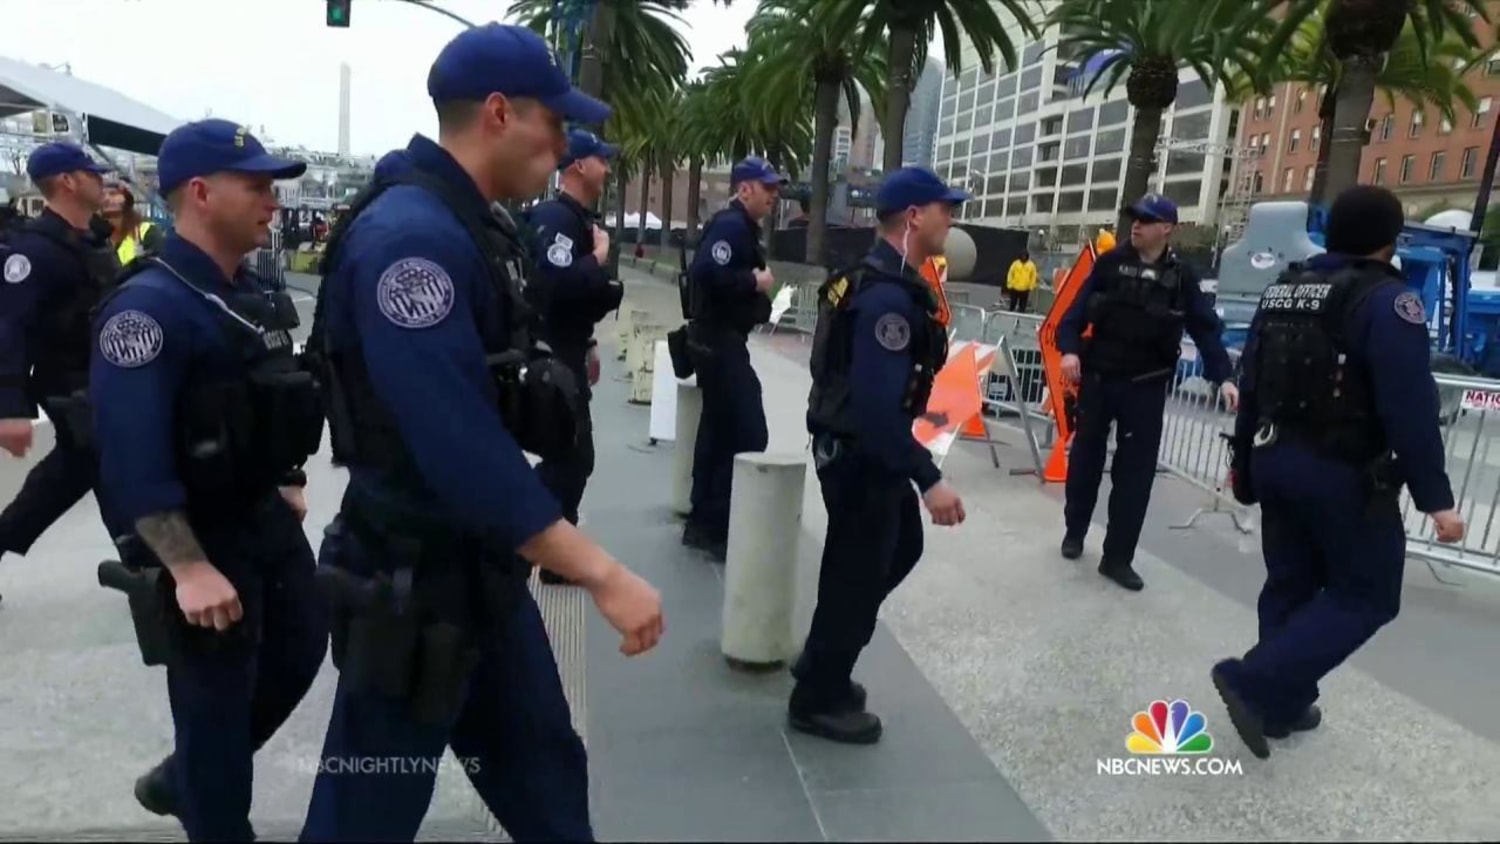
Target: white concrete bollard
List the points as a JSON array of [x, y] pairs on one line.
[[641, 360], [685, 437], [628, 318], [760, 577]]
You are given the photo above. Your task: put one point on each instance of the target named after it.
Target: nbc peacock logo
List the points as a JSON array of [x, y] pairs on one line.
[[1168, 728]]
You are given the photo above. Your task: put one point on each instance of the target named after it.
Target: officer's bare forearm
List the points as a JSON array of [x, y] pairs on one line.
[[171, 538], [564, 550]]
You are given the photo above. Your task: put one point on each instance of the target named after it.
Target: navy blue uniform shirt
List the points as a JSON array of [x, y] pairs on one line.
[[1387, 335], [407, 289], [576, 292], [723, 267], [886, 320], [155, 338], [1200, 320], [38, 274]]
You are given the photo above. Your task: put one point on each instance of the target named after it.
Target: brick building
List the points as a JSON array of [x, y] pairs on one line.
[[1430, 163], [713, 195]]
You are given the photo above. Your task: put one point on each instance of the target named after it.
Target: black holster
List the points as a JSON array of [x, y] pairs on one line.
[[677, 349], [538, 401], [73, 419], [1382, 483], [1240, 484], [150, 611]]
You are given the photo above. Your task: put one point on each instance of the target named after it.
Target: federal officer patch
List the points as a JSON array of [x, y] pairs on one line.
[[17, 268], [1409, 307], [722, 253], [415, 293], [131, 339], [559, 255], [893, 332]]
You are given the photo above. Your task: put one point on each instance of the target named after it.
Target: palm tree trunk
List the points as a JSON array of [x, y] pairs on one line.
[[622, 185], [903, 50], [1325, 134], [640, 230], [694, 196], [600, 32], [1351, 110], [1141, 164], [667, 178], [825, 118]]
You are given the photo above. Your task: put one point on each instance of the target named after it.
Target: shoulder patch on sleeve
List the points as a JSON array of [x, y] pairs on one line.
[[560, 253], [415, 293], [893, 332], [17, 268], [1409, 307], [131, 339], [721, 252]]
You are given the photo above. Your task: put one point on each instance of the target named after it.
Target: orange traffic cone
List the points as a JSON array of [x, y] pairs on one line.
[[1056, 471]]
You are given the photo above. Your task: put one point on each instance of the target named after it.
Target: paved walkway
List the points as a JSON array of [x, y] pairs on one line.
[[1004, 675]]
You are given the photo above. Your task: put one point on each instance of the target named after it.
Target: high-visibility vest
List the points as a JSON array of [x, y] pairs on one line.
[[130, 245]]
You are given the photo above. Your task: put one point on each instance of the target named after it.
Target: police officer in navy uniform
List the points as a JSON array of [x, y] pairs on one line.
[[1139, 298], [876, 352], [55, 270], [203, 419], [437, 638], [572, 290], [1340, 409], [729, 288]]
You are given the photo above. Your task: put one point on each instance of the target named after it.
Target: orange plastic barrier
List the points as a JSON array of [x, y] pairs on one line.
[[935, 272], [954, 401], [1061, 394]]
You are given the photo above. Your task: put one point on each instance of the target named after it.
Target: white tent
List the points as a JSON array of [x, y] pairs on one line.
[[633, 221]]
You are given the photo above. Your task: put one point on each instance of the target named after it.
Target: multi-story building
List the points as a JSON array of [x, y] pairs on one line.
[[1431, 163], [918, 142], [1038, 155]]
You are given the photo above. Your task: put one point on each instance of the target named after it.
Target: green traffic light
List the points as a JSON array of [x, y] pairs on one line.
[[338, 13]]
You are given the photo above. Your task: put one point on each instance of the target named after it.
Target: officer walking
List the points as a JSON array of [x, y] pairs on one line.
[[56, 269], [1340, 409], [1138, 300], [572, 291], [729, 286], [437, 638], [203, 422], [878, 347]]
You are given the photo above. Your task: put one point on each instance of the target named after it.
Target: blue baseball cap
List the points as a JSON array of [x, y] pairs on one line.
[[217, 146], [1154, 208], [511, 60], [914, 187], [57, 158], [755, 169], [585, 144]]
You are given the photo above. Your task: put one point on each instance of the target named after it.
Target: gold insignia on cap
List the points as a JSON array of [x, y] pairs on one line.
[[239, 137]]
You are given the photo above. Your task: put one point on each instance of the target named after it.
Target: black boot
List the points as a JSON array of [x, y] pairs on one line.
[[712, 543], [1072, 547], [1310, 719], [1123, 574], [154, 790], [1247, 722]]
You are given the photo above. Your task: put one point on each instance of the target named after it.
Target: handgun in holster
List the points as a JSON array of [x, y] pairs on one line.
[[1382, 483], [149, 591]]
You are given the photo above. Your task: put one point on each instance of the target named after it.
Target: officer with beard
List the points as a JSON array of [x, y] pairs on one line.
[[572, 291], [878, 347]]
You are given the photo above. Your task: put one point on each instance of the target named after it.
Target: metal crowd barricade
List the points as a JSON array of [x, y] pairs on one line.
[[1195, 440], [1473, 461], [1026, 391], [268, 263]]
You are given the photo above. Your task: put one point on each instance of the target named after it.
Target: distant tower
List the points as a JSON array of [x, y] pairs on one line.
[[343, 108]]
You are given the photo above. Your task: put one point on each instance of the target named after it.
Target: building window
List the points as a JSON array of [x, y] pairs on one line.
[[1435, 168], [1484, 110], [1416, 125], [1445, 126], [1379, 171], [1260, 107], [1286, 179], [1256, 184], [1407, 163], [1387, 125], [1291, 144], [1317, 138], [1301, 100], [1466, 164], [1492, 67], [1265, 140], [1307, 177], [1271, 106]]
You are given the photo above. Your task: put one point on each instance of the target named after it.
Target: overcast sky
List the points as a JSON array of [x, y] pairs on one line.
[[274, 63]]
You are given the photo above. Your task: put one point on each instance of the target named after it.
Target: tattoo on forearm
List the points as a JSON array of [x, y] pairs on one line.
[[171, 537]]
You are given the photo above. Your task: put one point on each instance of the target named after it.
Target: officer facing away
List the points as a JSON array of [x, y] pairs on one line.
[[56, 269], [729, 286], [877, 349], [436, 636], [204, 420], [1340, 409], [572, 291], [1138, 299]]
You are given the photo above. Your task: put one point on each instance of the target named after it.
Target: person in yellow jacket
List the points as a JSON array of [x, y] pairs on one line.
[[133, 235], [1019, 282]]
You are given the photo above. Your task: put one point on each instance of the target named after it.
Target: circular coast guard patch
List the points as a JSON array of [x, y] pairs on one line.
[[893, 332], [131, 339], [17, 268], [415, 293], [1409, 307], [722, 253]]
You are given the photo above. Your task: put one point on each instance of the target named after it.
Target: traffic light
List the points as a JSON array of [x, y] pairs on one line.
[[338, 12]]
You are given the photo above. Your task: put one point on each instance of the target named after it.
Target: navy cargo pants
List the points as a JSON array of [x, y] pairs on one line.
[[513, 737], [733, 422], [1135, 409], [230, 692], [567, 477], [1335, 557], [57, 482]]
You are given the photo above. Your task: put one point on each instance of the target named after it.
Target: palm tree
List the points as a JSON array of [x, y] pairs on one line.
[[908, 26], [1360, 34], [804, 62], [606, 18], [1148, 40], [1427, 77]]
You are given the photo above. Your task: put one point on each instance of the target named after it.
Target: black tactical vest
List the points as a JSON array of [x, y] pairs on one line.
[[63, 364], [1305, 383], [238, 438], [535, 394], [1137, 313], [829, 407], [710, 309]]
